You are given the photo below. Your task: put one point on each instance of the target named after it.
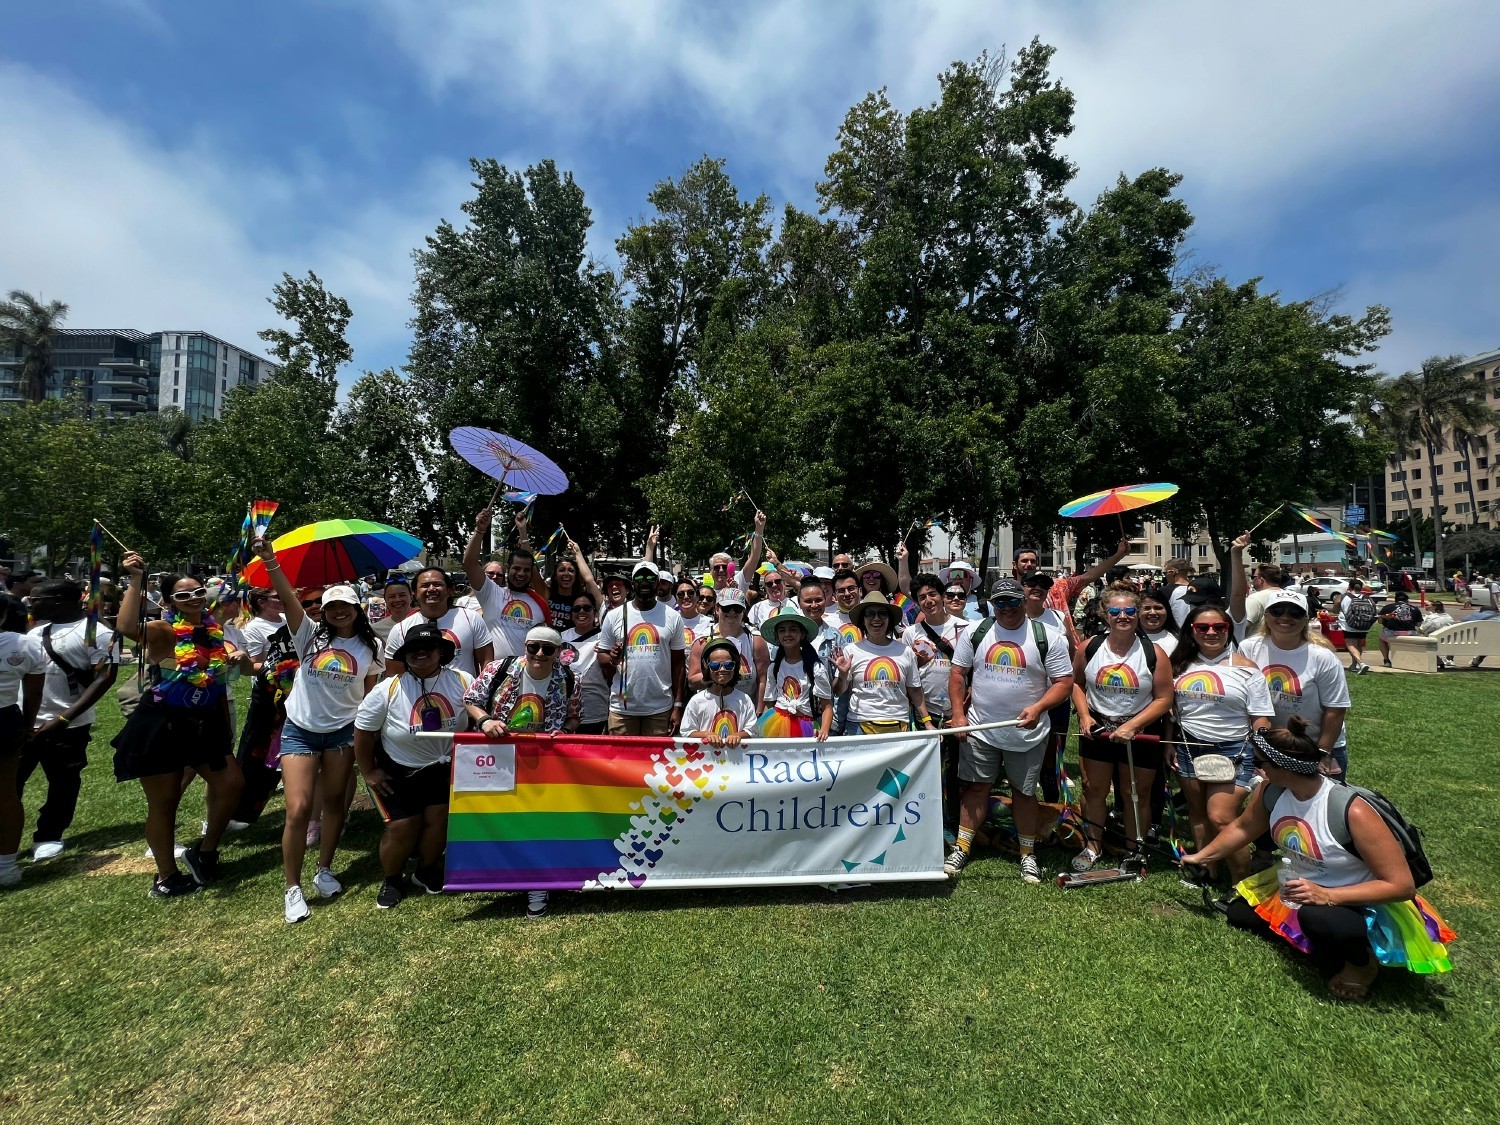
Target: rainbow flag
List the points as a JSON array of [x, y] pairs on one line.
[[556, 830], [96, 599]]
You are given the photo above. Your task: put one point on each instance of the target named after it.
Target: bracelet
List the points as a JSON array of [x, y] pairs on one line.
[[272, 566]]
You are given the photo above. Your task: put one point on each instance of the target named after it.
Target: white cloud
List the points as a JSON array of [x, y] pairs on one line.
[[133, 234]]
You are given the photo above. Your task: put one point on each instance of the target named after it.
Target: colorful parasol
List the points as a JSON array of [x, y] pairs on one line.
[[509, 461], [318, 554], [1113, 501]]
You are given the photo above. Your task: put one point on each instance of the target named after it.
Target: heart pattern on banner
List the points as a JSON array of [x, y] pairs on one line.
[[680, 780]]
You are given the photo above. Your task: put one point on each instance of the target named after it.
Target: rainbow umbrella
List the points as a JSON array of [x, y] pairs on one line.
[[1113, 501], [317, 554]]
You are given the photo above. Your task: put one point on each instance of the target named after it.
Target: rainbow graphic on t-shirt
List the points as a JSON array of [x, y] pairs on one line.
[[849, 633], [725, 724], [1005, 654], [529, 713], [791, 688], [438, 703], [882, 670], [1201, 682], [333, 660], [452, 636], [1282, 680], [1119, 676], [643, 635], [1293, 834], [517, 610]]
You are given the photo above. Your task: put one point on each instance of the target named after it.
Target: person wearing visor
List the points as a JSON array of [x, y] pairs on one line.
[[408, 775], [755, 656], [535, 695], [181, 722], [1303, 675], [641, 647], [337, 665], [1011, 668]]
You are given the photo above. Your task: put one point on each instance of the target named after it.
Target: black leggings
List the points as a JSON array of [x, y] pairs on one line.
[[1337, 933]]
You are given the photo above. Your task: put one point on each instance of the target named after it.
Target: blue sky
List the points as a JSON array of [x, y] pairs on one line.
[[165, 162]]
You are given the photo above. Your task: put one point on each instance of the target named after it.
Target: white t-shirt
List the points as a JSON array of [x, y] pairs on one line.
[[934, 674], [537, 690], [767, 608], [695, 627], [707, 711], [879, 676], [510, 615], [394, 708], [1217, 700], [67, 642], [1177, 603], [593, 689], [465, 628], [257, 633], [20, 656], [1118, 687], [1256, 602], [1301, 681], [331, 681], [1009, 676], [1164, 640], [790, 690], [643, 674]]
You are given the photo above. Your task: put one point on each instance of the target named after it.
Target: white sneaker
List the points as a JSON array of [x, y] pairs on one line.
[[40, 853], [296, 905], [1031, 870], [235, 826], [327, 884], [177, 850]]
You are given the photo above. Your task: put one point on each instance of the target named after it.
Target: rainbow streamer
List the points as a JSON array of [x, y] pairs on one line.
[[557, 829], [96, 598], [1323, 526], [518, 497], [241, 553]]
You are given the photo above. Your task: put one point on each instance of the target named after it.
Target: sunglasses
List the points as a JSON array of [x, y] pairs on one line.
[[721, 665], [731, 609], [189, 595], [540, 648], [879, 614], [1210, 627], [849, 590], [955, 594], [1122, 611], [1008, 603], [314, 604], [1286, 611], [706, 598], [583, 607]]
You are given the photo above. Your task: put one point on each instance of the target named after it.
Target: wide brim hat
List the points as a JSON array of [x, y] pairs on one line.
[[873, 599], [423, 636], [874, 564], [946, 574], [783, 616]]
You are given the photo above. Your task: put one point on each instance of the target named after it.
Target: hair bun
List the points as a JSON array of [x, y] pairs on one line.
[[1297, 725]]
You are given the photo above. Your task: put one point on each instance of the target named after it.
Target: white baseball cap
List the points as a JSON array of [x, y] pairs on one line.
[[645, 567], [343, 594]]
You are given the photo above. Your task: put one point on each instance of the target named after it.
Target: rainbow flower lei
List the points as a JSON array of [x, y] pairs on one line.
[[199, 665]]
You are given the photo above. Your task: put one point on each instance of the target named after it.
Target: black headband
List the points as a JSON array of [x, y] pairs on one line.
[[1280, 760]]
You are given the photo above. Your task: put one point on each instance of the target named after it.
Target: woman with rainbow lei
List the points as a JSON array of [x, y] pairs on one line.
[[1343, 890], [338, 658], [182, 723]]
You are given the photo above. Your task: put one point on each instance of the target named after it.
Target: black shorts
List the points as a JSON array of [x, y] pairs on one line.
[[12, 731], [159, 739], [1147, 755], [413, 791], [1351, 635]]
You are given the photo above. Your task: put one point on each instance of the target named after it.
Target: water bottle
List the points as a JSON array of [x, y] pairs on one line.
[[1284, 874]]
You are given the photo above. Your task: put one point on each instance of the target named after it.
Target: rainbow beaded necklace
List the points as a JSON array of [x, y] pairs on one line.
[[199, 665]]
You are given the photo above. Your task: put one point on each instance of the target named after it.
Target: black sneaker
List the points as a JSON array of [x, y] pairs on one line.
[[174, 886], [204, 866], [429, 878], [390, 894]]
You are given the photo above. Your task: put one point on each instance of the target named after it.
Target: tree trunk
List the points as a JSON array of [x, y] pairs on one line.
[[984, 555], [1221, 553], [1411, 516], [1437, 513]]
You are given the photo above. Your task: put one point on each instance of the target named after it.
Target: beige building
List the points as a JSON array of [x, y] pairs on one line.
[[1466, 483]]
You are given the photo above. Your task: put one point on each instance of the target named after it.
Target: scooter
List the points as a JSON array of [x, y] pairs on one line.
[[1132, 868]]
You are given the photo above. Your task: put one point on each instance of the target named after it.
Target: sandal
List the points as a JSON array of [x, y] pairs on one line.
[[1353, 982], [1085, 859]]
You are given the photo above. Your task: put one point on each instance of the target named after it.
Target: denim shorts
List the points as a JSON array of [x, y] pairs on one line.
[[1239, 752], [295, 740]]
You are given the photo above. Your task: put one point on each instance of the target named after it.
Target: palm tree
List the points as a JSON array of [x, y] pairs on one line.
[[1386, 417], [1440, 399], [26, 327]]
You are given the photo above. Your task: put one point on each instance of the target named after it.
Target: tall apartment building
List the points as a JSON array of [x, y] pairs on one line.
[[1467, 476], [120, 371]]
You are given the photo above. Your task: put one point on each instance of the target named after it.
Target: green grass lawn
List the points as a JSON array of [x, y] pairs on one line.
[[980, 1001]]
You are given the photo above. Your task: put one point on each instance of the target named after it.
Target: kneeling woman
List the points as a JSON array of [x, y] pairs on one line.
[[1344, 896], [337, 670], [182, 722], [408, 775]]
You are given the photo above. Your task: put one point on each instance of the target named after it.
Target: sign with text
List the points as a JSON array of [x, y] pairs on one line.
[[604, 812], [483, 767]]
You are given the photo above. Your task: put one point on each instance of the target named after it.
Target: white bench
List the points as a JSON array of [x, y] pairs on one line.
[[1465, 644]]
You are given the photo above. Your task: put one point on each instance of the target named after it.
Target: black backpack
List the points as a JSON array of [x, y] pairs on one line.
[[1038, 634], [1407, 835], [1360, 615], [1148, 646]]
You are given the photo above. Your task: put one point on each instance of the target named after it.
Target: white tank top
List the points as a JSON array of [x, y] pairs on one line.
[[1117, 687], [1300, 829]]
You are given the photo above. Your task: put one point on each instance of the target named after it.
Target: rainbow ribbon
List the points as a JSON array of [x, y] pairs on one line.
[[96, 598], [1323, 526]]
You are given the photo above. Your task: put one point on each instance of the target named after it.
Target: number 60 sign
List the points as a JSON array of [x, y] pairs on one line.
[[484, 768]]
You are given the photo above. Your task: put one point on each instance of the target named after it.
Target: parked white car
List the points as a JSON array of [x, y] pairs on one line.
[[1331, 588]]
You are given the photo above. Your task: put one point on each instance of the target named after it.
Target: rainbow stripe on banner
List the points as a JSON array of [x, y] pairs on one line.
[[557, 829]]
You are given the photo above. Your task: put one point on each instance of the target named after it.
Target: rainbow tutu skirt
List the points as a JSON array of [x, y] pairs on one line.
[[1411, 934], [776, 723]]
